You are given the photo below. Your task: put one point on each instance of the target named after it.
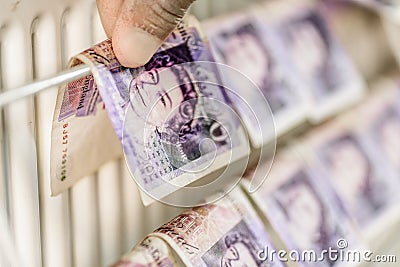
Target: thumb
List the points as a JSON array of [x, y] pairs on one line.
[[142, 26]]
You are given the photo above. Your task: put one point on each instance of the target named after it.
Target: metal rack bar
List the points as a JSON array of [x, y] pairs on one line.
[[30, 89]]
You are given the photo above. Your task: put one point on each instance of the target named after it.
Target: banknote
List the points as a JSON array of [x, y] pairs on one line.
[[82, 135], [343, 155], [378, 124], [244, 43], [329, 78], [173, 117], [225, 233], [304, 210], [151, 252]]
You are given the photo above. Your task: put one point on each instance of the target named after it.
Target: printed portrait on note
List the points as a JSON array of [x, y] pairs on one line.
[[354, 177], [176, 118], [310, 46], [330, 78], [180, 117], [244, 48], [238, 247], [307, 218], [174, 126]]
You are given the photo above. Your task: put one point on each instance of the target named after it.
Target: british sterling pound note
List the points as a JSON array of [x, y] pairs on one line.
[[225, 233], [173, 117], [267, 85], [342, 153], [330, 80], [82, 135], [304, 210]]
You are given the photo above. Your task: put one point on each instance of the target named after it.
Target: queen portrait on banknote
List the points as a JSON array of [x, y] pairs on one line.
[[312, 50], [243, 48], [355, 178], [237, 248], [180, 117], [307, 216], [176, 121]]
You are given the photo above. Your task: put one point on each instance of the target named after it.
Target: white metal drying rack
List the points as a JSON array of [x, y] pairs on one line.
[[8, 96]]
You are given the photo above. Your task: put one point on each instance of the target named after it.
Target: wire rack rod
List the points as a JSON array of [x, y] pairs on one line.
[[11, 95]]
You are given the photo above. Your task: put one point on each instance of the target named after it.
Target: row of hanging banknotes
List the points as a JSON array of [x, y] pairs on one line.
[[333, 190], [206, 100]]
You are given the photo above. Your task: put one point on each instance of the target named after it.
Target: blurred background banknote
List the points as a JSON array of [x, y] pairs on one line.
[[267, 84], [304, 210], [174, 119]]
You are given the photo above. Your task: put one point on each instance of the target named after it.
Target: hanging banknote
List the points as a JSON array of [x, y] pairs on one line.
[[173, 117], [225, 233], [304, 210], [242, 42], [82, 134], [329, 78], [342, 153]]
